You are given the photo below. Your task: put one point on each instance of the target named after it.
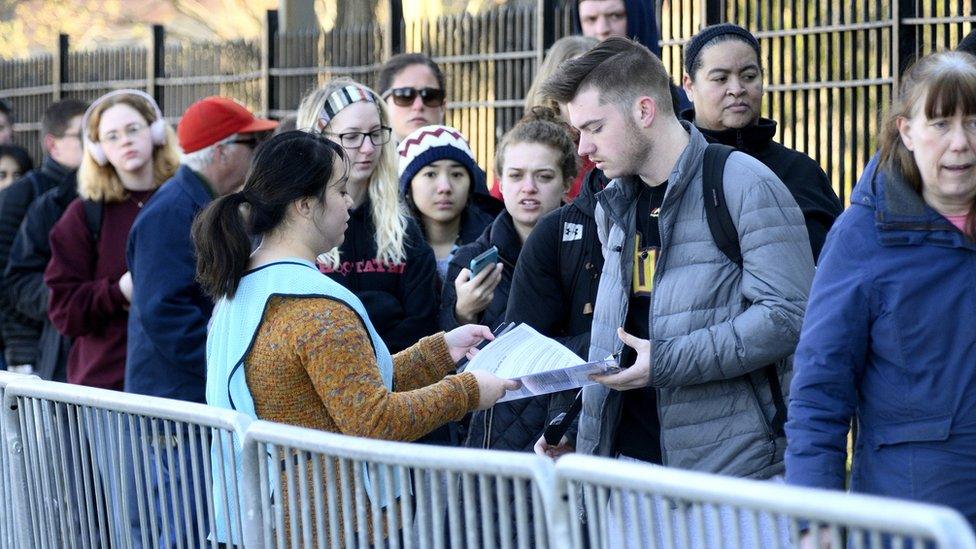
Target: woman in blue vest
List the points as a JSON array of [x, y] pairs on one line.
[[888, 336], [291, 345]]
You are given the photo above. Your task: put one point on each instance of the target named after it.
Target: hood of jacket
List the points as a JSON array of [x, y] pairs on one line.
[[641, 23]]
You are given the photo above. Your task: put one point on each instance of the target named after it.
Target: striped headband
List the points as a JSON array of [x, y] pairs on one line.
[[340, 99]]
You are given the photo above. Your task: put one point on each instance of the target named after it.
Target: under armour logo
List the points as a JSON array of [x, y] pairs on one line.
[[572, 231]]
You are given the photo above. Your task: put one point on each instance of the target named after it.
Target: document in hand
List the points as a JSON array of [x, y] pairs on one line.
[[541, 364]]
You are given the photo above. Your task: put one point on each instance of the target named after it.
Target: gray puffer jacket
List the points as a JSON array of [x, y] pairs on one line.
[[713, 326]]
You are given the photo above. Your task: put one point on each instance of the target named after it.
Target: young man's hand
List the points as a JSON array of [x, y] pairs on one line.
[[639, 374]]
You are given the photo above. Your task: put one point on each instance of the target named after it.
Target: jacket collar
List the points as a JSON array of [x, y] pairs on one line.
[[620, 196], [751, 139], [901, 216], [593, 183], [54, 170], [502, 233], [193, 185]]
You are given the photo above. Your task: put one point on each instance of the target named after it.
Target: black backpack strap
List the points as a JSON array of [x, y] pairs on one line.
[[716, 210], [93, 218], [726, 238]]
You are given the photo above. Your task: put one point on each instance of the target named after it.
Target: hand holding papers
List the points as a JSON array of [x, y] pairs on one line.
[[540, 364]]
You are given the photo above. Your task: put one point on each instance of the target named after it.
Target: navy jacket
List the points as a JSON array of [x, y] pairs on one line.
[[888, 338], [169, 311], [24, 276], [20, 332]]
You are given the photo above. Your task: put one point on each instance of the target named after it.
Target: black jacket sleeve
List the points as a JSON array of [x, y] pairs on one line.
[[816, 198], [536, 297], [418, 294], [14, 201], [29, 255]]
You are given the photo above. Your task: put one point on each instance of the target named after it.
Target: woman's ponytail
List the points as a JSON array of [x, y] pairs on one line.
[[222, 246]]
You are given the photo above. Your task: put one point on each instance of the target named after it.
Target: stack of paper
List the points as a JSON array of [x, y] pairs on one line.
[[541, 364]]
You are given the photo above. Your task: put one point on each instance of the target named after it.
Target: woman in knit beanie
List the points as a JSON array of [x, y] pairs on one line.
[[438, 175]]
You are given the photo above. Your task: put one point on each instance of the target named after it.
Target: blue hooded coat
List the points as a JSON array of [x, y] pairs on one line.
[[888, 339]]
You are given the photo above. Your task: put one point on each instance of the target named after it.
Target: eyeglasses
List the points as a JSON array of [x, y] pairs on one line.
[[249, 143], [404, 97], [354, 140], [114, 136], [72, 135]]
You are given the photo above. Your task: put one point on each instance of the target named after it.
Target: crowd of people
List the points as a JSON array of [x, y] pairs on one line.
[[321, 276]]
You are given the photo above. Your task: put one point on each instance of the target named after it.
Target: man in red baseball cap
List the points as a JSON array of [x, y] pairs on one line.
[[169, 312]]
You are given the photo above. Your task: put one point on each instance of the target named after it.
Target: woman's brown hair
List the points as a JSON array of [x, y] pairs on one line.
[[941, 85]]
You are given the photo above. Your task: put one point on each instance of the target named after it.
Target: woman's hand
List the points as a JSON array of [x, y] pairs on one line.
[[463, 340], [474, 294], [125, 285], [491, 388]]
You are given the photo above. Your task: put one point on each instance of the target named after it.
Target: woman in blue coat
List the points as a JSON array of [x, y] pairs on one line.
[[888, 337]]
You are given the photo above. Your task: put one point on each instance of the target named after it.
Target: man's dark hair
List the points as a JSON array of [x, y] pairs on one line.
[[58, 116], [620, 69], [397, 63]]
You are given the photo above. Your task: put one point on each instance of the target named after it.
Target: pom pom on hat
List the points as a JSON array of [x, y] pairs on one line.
[[432, 143]]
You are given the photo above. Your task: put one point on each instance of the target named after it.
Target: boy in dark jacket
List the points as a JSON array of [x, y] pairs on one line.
[[61, 140]]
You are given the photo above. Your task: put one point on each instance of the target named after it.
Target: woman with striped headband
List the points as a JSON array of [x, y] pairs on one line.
[[384, 258]]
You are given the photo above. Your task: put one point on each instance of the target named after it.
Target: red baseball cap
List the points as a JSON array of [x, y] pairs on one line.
[[213, 119]]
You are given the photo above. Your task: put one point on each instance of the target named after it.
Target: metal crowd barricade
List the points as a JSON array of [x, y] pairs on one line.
[[629, 505], [8, 526], [306, 488], [98, 468]]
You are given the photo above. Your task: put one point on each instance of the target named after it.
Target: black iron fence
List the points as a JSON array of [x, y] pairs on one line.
[[830, 65]]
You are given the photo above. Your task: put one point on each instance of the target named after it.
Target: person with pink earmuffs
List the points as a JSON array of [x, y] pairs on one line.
[[129, 151]]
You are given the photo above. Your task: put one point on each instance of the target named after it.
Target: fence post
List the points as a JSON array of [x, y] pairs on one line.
[[904, 39], [714, 12], [545, 28], [60, 68], [269, 55], [155, 65], [394, 38]]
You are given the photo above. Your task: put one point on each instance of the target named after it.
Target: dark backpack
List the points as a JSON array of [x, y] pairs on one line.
[[726, 238], [93, 217]]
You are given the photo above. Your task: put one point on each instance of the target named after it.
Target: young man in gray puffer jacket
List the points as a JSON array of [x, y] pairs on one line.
[[698, 331]]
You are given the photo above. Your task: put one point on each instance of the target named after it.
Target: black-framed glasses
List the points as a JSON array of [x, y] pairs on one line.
[[354, 140], [404, 97], [247, 142]]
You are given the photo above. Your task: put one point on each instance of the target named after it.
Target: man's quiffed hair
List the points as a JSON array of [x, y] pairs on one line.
[[57, 117], [620, 69]]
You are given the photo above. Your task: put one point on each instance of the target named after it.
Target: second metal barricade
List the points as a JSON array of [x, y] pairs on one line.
[[306, 487], [99, 468], [627, 504]]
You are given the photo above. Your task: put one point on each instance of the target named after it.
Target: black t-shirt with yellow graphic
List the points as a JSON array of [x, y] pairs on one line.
[[639, 431]]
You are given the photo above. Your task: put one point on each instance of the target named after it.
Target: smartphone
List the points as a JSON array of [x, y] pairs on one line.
[[487, 258]]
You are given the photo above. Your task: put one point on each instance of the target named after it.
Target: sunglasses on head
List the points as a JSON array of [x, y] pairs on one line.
[[404, 97]]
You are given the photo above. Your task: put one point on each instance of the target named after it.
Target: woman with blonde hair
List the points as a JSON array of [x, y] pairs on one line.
[[384, 259], [567, 47], [888, 338], [130, 151]]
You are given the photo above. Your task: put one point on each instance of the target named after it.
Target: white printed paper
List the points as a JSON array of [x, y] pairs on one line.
[[541, 364]]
